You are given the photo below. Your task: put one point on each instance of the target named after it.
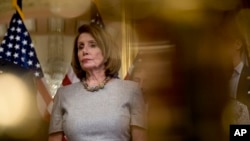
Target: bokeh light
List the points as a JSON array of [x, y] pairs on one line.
[[139, 9], [19, 118], [183, 11], [14, 100], [221, 4], [182, 4], [69, 9]]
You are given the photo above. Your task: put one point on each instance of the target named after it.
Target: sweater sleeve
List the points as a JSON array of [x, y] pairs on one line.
[[138, 110], [56, 115]]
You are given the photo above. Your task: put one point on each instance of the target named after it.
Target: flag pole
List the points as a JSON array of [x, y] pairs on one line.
[[17, 4]]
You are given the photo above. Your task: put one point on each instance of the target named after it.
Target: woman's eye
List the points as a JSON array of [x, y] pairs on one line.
[[80, 47], [92, 45]]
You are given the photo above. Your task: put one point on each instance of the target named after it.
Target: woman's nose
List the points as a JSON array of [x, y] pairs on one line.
[[85, 50]]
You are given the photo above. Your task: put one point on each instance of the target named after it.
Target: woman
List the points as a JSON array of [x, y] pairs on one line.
[[100, 107]]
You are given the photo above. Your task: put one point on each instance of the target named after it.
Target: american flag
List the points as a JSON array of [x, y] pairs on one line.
[[17, 48], [96, 18]]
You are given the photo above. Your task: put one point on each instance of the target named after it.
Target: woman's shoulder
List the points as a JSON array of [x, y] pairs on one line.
[[126, 83], [69, 88]]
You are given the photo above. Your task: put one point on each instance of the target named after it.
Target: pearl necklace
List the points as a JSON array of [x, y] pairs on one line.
[[95, 88]]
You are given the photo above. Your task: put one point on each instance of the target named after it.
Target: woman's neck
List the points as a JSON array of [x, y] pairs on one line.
[[95, 77]]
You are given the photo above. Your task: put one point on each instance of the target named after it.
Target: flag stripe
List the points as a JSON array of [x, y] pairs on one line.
[[44, 91], [42, 107], [66, 81], [70, 77]]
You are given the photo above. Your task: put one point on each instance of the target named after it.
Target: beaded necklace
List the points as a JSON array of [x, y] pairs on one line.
[[95, 88]]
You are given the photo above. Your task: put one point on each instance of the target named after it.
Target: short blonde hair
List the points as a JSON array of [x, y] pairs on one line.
[[110, 51]]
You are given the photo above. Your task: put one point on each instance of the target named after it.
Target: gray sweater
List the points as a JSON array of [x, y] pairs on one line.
[[104, 115]]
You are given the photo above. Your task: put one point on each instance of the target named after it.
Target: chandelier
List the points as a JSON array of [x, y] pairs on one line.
[[56, 66]]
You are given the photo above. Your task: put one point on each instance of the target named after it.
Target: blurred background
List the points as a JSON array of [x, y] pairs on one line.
[[174, 44]]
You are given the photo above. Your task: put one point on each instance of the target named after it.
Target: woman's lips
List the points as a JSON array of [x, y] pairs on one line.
[[85, 60]]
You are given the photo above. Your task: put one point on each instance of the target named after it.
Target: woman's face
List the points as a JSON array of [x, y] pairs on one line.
[[89, 54]]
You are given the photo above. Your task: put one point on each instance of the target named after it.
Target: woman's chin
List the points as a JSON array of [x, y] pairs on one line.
[[89, 67]]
